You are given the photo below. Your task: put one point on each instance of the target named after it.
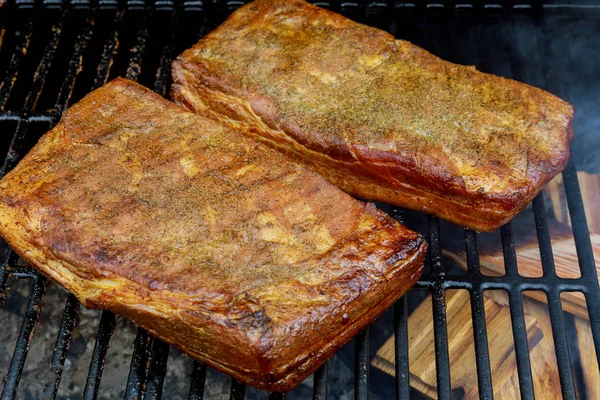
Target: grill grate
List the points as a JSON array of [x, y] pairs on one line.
[[95, 41]]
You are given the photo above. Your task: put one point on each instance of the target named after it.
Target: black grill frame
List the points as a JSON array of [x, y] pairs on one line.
[[149, 360]]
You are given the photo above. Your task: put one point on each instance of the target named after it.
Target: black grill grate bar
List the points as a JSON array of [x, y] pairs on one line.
[[517, 315], [74, 69], [238, 390], [4, 276], [137, 52], [561, 347], [401, 349], [20, 271], [25, 337], [554, 305], [105, 331], [509, 252], [162, 76], [13, 67], [45, 63], [197, 381], [157, 370], [41, 116], [543, 235], [108, 52], [500, 282], [440, 332], [592, 300], [402, 377], [320, 383], [581, 233], [361, 365], [482, 356], [583, 246], [137, 367], [13, 156], [521, 345], [69, 322], [276, 396], [8, 268]]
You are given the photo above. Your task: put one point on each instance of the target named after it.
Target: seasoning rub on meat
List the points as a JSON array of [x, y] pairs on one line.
[[379, 117], [230, 251]]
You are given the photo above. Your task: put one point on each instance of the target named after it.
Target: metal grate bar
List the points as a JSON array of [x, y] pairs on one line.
[[12, 157], [11, 259], [543, 234], [500, 282], [592, 301], [276, 396], [238, 390], [402, 377], [401, 347], [583, 246], [137, 367], [37, 116], [361, 365], [13, 68], [320, 385], [108, 52], [157, 370], [161, 84], [69, 322], [137, 52], [24, 340], [3, 279], [83, 38], [197, 381], [105, 331], [561, 347], [20, 271], [581, 234], [45, 63], [509, 252], [482, 359], [517, 315], [556, 313], [440, 332]]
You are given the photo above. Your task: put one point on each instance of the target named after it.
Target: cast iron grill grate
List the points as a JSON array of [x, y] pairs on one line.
[[54, 52]]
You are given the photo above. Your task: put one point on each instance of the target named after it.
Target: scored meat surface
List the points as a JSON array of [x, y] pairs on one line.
[[379, 117], [217, 244]]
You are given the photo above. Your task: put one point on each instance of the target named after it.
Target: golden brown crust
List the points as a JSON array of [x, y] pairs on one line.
[[219, 245], [395, 122]]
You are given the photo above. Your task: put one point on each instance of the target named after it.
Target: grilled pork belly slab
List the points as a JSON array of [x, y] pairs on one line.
[[230, 251], [379, 117]]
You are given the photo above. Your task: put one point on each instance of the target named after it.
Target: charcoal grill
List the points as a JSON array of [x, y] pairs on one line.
[[53, 52]]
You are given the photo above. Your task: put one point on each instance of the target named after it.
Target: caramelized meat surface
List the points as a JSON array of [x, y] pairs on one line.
[[227, 249], [379, 117]]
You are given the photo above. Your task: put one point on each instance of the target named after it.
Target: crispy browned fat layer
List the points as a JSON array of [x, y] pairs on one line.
[[379, 117], [227, 249]]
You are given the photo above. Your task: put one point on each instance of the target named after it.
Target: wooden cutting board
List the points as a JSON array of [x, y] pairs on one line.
[[460, 343], [529, 264], [546, 381]]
